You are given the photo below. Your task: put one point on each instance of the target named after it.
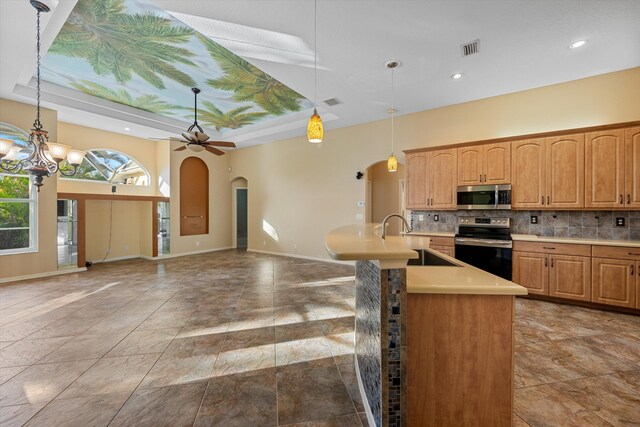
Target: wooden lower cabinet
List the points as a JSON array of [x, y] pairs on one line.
[[447, 250], [557, 270], [530, 271], [570, 277], [615, 282], [460, 360]]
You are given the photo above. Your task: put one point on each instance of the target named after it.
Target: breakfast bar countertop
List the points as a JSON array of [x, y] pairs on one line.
[[363, 241]]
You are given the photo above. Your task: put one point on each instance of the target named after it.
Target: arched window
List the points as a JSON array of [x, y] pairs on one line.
[[110, 166]]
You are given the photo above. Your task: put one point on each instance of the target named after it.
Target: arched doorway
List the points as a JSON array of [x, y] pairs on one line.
[[240, 212], [384, 194]]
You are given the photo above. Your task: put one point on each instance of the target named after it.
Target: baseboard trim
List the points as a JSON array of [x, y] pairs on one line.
[[311, 258], [363, 395], [118, 258], [40, 275], [159, 257]]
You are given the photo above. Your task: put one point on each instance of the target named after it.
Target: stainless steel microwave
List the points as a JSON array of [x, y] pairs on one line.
[[484, 197]]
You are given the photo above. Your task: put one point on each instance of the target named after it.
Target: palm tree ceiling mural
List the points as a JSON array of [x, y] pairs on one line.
[[135, 54]]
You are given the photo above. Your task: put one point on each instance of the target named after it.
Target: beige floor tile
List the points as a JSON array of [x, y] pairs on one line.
[[305, 353], [247, 399], [41, 383], [175, 369], [144, 342], [17, 416], [27, 352], [84, 347], [112, 375], [89, 411], [172, 406], [245, 360], [7, 373]]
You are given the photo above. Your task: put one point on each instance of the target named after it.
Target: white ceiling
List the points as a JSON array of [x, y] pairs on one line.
[[523, 44]]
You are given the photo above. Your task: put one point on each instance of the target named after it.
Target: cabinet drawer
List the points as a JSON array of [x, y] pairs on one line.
[[441, 241], [554, 248], [618, 252]]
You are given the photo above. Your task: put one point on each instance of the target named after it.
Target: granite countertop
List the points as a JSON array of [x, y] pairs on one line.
[[460, 279]]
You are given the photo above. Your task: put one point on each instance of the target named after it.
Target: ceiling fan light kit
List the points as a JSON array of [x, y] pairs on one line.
[[198, 141]]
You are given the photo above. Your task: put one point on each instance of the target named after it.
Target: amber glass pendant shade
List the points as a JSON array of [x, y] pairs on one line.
[[392, 163], [315, 130]]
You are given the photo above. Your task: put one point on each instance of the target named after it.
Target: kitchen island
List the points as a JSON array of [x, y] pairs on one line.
[[434, 343]]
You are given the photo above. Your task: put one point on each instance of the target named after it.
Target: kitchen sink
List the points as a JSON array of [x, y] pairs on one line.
[[430, 259]]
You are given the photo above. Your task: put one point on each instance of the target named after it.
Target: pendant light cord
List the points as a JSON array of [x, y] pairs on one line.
[[315, 52], [37, 125], [393, 111]]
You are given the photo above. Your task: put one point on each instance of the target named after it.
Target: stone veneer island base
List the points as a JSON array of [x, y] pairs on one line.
[[433, 344]]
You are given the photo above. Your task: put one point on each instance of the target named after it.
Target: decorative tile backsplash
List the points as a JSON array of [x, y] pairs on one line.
[[576, 224]]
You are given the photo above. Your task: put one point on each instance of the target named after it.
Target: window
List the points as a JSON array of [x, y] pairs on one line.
[[18, 214], [109, 166], [18, 201]]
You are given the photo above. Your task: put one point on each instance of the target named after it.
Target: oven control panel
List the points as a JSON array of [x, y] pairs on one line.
[[485, 221]]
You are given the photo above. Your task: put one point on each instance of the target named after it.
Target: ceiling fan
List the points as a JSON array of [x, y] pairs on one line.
[[195, 137]]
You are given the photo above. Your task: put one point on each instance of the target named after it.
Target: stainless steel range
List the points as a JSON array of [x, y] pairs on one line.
[[485, 243]]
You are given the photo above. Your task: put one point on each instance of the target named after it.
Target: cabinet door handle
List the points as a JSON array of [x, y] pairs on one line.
[[545, 261], [548, 200], [632, 269], [628, 199], [634, 254], [485, 177], [621, 199], [551, 262], [480, 177], [547, 247], [542, 200]]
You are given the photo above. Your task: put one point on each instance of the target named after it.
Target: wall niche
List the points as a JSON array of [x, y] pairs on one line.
[[194, 197]]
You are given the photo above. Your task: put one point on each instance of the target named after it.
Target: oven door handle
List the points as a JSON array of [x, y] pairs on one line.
[[484, 242]]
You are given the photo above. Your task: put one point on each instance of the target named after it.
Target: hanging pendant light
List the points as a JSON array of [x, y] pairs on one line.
[[45, 156], [315, 129], [392, 162]]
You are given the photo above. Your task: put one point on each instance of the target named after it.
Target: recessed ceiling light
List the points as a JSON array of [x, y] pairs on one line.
[[577, 44], [456, 76], [127, 129]]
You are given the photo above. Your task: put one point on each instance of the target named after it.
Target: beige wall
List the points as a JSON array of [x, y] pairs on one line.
[[219, 200], [46, 259], [131, 234], [305, 190]]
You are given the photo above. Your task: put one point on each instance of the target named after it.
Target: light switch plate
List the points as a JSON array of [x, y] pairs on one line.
[[619, 221], [420, 217]]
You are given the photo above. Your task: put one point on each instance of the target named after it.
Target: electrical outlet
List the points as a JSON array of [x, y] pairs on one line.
[[619, 221], [359, 216], [534, 219], [420, 217], [436, 217]]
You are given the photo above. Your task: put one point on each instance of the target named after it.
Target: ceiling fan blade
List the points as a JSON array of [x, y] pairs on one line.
[[214, 151], [170, 139], [184, 147], [222, 143]]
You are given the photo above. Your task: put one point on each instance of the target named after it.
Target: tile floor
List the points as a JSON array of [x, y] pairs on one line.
[[241, 339]]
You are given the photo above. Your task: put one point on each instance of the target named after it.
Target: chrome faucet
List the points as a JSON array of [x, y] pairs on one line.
[[386, 219]]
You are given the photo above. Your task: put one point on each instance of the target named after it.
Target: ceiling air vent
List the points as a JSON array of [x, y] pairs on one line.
[[470, 48], [332, 102]]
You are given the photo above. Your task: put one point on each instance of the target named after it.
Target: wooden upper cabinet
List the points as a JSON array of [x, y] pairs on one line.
[[632, 169], [604, 169], [442, 177], [565, 171], [417, 196], [497, 166], [470, 160], [484, 164], [528, 173]]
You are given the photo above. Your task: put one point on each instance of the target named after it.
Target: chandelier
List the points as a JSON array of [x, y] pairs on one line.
[[315, 129], [45, 156]]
